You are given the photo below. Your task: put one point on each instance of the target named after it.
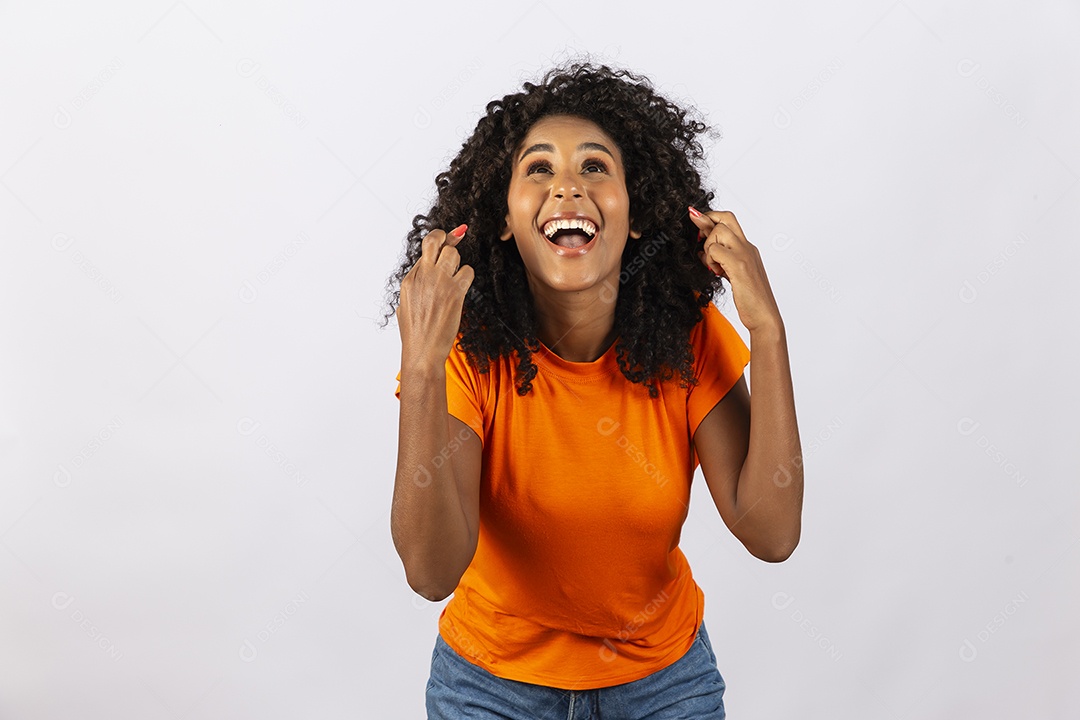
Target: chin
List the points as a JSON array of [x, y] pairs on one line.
[[573, 282]]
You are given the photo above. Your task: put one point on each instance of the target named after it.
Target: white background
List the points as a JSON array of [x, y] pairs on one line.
[[199, 207]]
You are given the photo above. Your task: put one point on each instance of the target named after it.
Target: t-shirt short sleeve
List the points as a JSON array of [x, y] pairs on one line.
[[719, 358], [465, 391]]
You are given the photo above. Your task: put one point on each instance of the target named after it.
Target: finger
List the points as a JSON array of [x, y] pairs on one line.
[[714, 267], [455, 236], [723, 234], [435, 240], [726, 217], [704, 223], [716, 255], [449, 259], [431, 245], [464, 279]]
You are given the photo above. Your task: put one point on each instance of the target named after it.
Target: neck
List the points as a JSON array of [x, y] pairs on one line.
[[576, 326]]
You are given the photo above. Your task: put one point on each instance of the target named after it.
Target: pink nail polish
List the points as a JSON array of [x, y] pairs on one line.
[[693, 211]]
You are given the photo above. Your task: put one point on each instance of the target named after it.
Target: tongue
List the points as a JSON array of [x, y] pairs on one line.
[[571, 240]]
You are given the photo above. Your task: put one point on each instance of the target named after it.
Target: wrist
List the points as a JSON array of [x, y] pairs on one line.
[[772, 331], [421, 367]]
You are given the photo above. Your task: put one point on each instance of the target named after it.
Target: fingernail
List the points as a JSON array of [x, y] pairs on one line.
[[459, 231], [693, 212]]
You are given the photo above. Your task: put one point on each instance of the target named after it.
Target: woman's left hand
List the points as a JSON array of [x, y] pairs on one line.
[[728, 254]]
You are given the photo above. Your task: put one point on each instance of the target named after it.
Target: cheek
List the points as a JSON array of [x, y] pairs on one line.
[[518, 211], [617, 211], [521, 202]]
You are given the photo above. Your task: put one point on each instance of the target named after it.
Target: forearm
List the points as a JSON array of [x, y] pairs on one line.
[[427, 521], [769, 495]]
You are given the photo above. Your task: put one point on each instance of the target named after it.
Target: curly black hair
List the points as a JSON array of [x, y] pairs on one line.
[[663, 285]]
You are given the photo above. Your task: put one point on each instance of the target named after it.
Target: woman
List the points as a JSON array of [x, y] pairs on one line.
[[563, 373]]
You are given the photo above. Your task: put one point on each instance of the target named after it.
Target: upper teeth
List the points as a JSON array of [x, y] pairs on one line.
[[555, 225]]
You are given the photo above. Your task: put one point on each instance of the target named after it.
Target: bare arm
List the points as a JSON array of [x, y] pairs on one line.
[[751, 456], [749, 446], [434, 519], [770, 493]]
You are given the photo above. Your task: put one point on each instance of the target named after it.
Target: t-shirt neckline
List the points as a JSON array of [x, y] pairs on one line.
[[603, 365]]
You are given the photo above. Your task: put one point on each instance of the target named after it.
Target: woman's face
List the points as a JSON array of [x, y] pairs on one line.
[[567, 165]]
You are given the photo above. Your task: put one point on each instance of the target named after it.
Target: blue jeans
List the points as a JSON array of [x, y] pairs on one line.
[[691, 687]]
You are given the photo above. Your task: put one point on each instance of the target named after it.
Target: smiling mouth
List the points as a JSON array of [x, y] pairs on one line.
[[572, 244], [571, 239], [570, 233]]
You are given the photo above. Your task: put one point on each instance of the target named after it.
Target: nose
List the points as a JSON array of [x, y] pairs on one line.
[[565, 184]]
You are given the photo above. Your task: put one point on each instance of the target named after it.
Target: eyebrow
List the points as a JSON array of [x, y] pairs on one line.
[[547, 147]]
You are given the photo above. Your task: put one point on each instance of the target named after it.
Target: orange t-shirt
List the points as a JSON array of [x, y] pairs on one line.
[[578, 581]]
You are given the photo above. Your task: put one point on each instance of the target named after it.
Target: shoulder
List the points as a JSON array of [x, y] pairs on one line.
[[459, 362], [717, 346], [711, 325], [475, 369]]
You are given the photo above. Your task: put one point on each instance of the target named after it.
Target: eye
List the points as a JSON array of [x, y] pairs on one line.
[[595, 162], [536, 164], [591, 162]]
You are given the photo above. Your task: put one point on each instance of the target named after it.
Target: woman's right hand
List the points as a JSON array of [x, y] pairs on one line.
[[432, 295]]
